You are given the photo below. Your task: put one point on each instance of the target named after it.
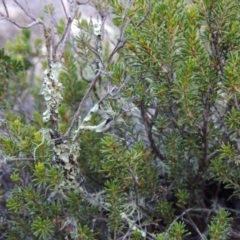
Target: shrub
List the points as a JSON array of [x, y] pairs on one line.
[[138, 140]]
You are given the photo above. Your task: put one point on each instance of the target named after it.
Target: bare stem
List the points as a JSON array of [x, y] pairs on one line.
[[64, 8], [5, 7], [24, 10]]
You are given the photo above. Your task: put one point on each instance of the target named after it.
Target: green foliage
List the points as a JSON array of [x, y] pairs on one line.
[[24, 200], [127, 166], [220, 225], [21, 43], [61, 26], [114, 197], [136, 236], [166, 210], [42, 228], [85, 233], [49, 9], [73, 83], [183, 197], [169, 104], [8, 67], [177, 232], [225, 167]]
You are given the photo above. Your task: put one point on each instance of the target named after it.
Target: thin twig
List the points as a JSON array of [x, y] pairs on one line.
[[62, 40], [92, 50], [13, 22], [186, 211], [65, 11], [28, 14], [27, 6], [148, 126], [146, 15], [212, 155], [36, 21], [61, 45], [195, 227], [5, 7], [135, 186], [121, 42], [19, 159], [80, 106], [91, 86]]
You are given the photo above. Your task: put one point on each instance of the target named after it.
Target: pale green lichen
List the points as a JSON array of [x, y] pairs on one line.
[[51, 90]]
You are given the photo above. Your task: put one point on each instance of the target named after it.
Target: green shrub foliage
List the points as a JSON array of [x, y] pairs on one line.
[[154, 147]]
